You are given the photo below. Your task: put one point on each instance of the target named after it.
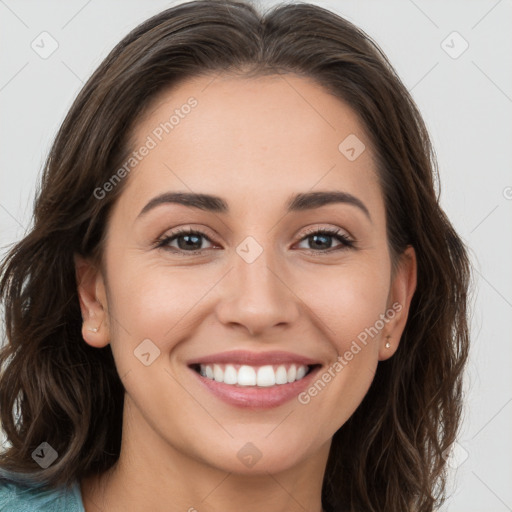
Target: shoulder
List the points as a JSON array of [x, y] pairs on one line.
[[16, 496]]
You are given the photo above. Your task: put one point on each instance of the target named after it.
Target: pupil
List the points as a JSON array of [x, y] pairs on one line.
[[189, 244], [324, 237]]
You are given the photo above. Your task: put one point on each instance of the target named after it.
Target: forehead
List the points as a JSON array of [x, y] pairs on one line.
[[279, 134]]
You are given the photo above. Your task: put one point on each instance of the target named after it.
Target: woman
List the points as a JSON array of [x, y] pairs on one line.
[[240, 291]]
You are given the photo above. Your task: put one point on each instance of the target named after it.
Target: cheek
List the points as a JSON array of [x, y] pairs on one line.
[[155, 297], [351, 319], [349, 300], [152, 311]]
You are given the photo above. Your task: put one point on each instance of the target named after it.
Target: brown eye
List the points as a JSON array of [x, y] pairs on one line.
[[187, 240], [322, 240]]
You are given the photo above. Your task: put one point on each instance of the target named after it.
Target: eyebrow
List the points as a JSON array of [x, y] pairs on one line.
[[298, 202]]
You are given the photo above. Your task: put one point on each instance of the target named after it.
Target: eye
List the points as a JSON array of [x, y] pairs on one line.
[[187, 240], [321, 240]]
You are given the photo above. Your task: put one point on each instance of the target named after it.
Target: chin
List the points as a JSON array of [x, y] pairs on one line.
[[257, 455]]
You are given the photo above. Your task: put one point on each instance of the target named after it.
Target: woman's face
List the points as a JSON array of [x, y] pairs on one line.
[[255, 294]]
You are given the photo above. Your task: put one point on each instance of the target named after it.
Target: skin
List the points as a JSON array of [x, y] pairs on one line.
[[253, 142]]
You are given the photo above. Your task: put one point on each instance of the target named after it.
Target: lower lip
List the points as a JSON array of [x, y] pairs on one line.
[[254, 397]]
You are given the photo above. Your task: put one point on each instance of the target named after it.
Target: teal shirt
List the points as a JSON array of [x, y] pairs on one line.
[[16, 496]]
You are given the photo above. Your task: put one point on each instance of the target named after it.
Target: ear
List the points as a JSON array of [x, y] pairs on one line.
[[93, 302], [402, 289]]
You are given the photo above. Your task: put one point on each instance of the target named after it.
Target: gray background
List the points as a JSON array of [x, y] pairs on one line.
[[467, 105]]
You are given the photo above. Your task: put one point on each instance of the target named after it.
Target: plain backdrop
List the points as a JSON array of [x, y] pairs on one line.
[[454, 57]]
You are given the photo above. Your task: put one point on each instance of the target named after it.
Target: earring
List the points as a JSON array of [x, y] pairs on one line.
[[388, 345], [92, 329]]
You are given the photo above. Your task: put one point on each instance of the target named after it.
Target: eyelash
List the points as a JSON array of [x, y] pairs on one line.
[[346, 242]]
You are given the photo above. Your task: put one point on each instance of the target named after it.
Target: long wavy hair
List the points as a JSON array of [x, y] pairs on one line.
[[55, 388]]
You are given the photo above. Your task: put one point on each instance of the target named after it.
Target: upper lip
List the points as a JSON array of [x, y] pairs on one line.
[[253, 358]]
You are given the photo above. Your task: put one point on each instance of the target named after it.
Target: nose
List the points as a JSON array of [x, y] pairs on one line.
[[257, 297]]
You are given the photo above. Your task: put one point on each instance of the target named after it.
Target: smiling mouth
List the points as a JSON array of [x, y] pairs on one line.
[[242, 375]]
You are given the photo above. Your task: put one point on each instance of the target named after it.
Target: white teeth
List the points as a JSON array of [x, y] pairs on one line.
[[262, 376], [246, 376], [281, 376], [301, 371], [266, 376], [218, 373], [230, 375]]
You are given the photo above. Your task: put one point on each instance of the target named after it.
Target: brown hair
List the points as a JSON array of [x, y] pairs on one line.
[[389, 456]]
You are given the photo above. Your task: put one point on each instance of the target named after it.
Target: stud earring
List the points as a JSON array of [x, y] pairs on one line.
[[388, 345], [92, 329]]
